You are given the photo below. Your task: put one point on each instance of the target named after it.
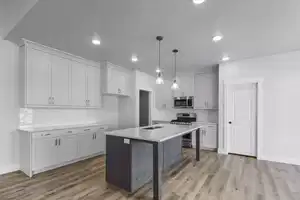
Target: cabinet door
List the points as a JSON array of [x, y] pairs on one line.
[[113, 80], [100, 142], [210, 137], [45, 152], [86, 144], [212, 97], [93, 86], [60, 80], [202, 92], [78, 84], [67, 148], [206, 90], [38, 77]]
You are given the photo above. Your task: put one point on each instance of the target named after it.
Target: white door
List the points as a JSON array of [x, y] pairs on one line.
[[93, 86], [86, 144], [241, 118], [78, 84], [45, 152], [38, 77], [67, 148], [60, 80]]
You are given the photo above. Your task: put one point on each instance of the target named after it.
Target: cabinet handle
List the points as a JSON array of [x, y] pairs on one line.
[[58, 142], [47, 134], [70, 131], [55, 142], [49, 100], [95, 136], [87, 129], [53, 100]]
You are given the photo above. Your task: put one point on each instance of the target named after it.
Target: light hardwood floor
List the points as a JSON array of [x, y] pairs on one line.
[[215, 177]]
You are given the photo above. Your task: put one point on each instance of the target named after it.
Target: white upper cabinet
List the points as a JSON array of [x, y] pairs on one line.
[[93, 86], [78, 84], [186, 85], [38, 78], [56, 79], [115, 80], [60, 80], [206, 90]]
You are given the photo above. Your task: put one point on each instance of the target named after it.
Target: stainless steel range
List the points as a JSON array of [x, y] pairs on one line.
[[185, 119]]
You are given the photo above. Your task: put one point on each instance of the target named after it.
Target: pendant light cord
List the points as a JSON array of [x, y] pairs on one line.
[[175, 51], [159, 54]]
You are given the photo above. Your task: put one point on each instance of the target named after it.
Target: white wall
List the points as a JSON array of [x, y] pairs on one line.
[[281, 107], [106, 116], [9, 107]]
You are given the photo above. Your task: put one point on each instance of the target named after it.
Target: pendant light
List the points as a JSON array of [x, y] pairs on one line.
[[175, 85], [159, 77]]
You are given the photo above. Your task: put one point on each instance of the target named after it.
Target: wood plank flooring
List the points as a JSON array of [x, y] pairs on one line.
[[215, 177]]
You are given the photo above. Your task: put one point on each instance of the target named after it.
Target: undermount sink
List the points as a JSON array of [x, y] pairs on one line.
[[153, 127]]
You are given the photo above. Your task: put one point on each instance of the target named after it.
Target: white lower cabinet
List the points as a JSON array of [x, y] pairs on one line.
[[42, 151], [85, 144], [67, 148], [100, 141], [208, 137]]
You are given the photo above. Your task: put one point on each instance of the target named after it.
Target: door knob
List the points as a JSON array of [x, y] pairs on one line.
[[229, 122]]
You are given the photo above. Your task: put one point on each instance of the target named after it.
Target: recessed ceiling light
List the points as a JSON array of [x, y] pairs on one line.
[[134, 58], [96, 39], [217, 38], [197, 2], [225, 58]]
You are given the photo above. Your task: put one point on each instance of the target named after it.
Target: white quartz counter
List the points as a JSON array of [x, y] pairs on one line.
[[168, 131], [59, 127]]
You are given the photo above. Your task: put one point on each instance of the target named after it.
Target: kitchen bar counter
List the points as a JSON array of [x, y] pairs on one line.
[[137, 155], [166, 132]]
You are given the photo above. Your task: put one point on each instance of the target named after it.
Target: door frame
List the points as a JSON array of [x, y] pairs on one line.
[[259, 112], [150, 105]]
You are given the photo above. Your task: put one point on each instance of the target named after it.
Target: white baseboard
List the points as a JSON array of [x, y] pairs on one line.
[[292, 161], [8, 169], [222, 151]]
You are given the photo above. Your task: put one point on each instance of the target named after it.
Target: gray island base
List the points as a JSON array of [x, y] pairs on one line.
[[136, 156]]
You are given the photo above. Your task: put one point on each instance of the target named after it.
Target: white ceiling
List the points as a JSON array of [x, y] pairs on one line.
[[11, 12], [250, 28]]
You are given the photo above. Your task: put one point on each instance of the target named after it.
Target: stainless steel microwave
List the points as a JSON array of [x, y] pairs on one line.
[[184, 102]]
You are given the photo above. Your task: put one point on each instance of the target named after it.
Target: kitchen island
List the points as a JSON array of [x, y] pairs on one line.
[[137, 155]]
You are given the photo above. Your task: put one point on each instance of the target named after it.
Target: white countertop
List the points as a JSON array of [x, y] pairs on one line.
[[58, 127], [168, 131]]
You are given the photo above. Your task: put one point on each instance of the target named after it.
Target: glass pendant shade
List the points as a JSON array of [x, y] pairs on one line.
[[175, 85], [159, 79]]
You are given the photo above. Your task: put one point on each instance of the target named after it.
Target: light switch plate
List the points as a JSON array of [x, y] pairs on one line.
[[126, 141]]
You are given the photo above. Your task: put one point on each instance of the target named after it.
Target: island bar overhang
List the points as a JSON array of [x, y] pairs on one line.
[[119, 168]]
